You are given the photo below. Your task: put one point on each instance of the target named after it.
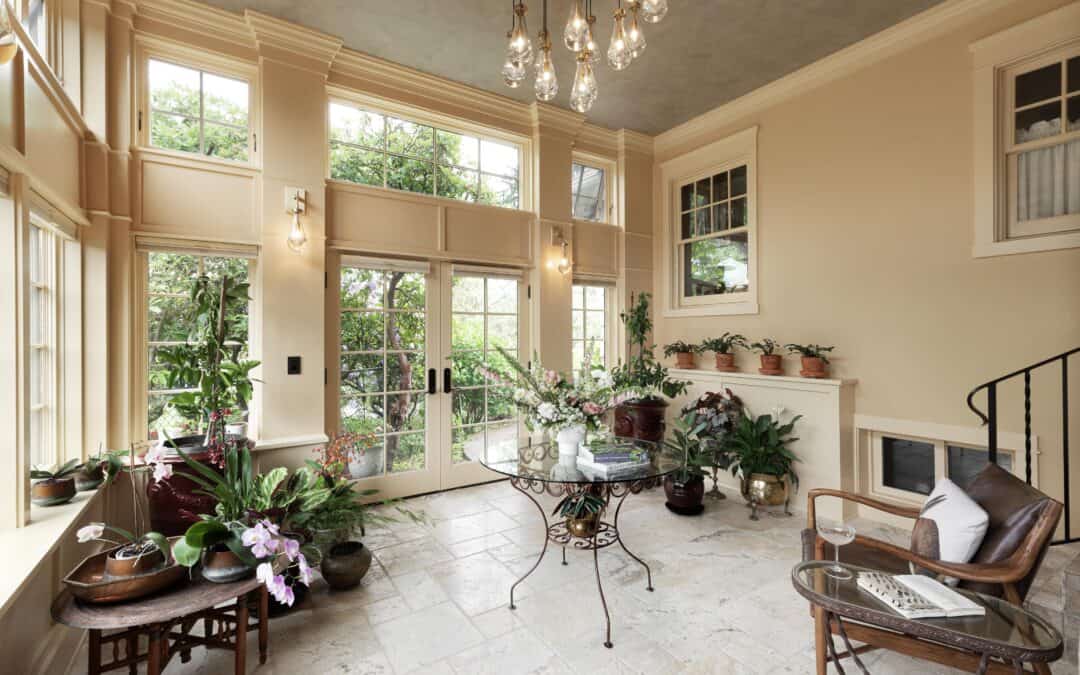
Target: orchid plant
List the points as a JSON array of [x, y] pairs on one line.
[[138, 546]]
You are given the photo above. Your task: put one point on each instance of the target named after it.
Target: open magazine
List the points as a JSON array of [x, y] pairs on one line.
[[916, 596]]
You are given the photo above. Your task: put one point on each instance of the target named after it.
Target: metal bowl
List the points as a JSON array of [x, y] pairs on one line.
[[89, 582]]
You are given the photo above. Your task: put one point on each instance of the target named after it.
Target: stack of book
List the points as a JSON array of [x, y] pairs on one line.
[[607, 459]]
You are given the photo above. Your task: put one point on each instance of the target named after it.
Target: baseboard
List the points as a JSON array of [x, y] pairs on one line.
[[59, 650]]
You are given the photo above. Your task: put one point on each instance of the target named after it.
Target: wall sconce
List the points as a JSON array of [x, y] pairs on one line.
[[562, 264], [296, 203], [8, 45]]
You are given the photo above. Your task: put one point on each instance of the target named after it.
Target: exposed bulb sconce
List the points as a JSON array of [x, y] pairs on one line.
[[561, 264], [8, 45], [296, 203]]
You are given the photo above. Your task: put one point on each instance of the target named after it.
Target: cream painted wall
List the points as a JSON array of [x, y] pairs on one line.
[[865, 242]]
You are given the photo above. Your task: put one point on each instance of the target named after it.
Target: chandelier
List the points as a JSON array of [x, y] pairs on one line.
[[627, 43]]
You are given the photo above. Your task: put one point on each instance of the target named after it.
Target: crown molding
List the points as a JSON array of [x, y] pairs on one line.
[[903, 36], [633, 141], [593, 138], [547, 119], [1049, 31], [292, 43], [197, 18]]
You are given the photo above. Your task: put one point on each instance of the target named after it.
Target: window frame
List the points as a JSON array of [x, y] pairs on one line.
[[608, 167], [439, 122], [48, 347], [609, 323], [151, 49]]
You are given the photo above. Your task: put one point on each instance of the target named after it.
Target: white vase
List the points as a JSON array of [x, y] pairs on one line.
[[569, 440]]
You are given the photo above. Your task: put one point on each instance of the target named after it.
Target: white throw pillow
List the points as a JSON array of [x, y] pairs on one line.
[[960, 522]]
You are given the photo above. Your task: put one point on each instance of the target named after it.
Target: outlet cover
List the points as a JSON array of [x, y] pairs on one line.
[[293, 365]]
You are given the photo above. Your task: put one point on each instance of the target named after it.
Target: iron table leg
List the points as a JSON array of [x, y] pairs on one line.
[[600, 587], [536, 564], [615, 524]]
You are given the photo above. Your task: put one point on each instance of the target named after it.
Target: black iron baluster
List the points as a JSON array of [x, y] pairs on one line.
[[991, 411], [1027, 425], [1065, 440]]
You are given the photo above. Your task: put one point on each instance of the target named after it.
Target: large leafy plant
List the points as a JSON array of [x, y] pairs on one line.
[[686, 442], [642, 373], [760, 445]]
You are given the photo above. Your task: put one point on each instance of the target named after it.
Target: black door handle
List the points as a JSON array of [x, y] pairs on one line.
[[431, 381], [446, 386]]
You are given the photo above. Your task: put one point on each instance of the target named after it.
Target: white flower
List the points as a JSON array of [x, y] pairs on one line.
[[162, 471], [265, 573], [546, 411], [90, 532]]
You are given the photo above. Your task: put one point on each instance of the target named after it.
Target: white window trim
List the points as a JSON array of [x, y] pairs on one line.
[[610, 357], [994, 57], [608, 167], [147, 48], [348, 97], [735, 150]]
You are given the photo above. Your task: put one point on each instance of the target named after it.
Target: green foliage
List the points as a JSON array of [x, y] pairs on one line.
[[343, 508], [809, 351], [643, 373], [63, 471], [580, 505], [765, 346], [181, 131], [725, 344], [686, 440], [680, 347], [759, 445]]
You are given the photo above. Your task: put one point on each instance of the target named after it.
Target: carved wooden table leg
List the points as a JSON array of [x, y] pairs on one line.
[[264, 622], [153, 662], [133, 653], [93, 666], [241, 635]]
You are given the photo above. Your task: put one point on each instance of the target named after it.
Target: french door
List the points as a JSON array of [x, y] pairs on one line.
[[412, 339]]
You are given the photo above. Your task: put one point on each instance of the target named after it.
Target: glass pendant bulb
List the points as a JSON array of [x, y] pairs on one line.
[[618, 53], [590, 41], [547, 84], [297, 237], [513, 72], [635, 37], [576, 25], [584, 92], [652, 11], [520, 47]]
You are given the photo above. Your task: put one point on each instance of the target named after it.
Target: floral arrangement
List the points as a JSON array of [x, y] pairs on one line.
[[551, 401], [334, 457]]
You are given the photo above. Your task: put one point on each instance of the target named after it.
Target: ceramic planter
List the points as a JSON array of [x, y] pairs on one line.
[[52, 491], [771, 364], [345, 565], [685, 498], [685, 360], [569, 440], [642, 419], [121, 563], [90, 478], [222, 566], [174, 503], [725, 363], [584, 528], [813, 366]]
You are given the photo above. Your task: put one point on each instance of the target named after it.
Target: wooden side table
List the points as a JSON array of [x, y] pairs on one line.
[[167, 621]]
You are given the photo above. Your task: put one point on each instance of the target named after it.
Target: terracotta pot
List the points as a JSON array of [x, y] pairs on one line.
[[685, 498], [725, 363], [174, 504], [771, 364], [90, 478], [117, 567], [52, 491], [345, 565], [767, 490], [813, 366], [222, 566], [642, 419], [583, 528], [685, 360]]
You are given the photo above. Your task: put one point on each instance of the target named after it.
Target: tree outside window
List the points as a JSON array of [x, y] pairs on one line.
[[198, 112]]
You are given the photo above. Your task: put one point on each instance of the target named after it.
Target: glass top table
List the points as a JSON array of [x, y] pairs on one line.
[[1007, 632], [538, 460]]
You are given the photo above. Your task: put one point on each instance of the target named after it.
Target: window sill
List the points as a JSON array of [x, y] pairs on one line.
[[717, 309], [195, 160], [1050, 242], [48, 528]]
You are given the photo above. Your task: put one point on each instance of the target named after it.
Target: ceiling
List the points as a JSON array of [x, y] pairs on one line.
[[703, 54]]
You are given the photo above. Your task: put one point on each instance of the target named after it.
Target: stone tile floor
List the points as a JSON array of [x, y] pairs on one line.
[[436, 599]]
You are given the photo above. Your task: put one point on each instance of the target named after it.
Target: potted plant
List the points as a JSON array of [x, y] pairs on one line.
[[53, 486], [98, 470], [719, 412], [685, 488], [724, 348], [763, 461], [582, 511], [813, 359], [683, 353], [771, 362], [642, 415], [133, 555]]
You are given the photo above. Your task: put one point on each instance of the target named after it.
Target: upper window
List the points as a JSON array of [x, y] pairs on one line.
[[589, 334], [1043, 146], [33, 19], [43, 342], [713, 234], [198, 112], [371, 148], [588, 192]]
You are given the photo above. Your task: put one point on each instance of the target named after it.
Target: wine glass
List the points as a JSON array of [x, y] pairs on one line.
[[837, 535]]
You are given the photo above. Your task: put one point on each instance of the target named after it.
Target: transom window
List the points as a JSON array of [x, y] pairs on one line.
[[588, 186], [589, 324], [372, 148], [713, 238], [910, 466], [43, 340], [1043, 146], [33, 19], [199, 112]]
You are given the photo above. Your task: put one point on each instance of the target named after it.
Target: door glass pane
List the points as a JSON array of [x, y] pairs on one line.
[[907, 464], [965, 463]]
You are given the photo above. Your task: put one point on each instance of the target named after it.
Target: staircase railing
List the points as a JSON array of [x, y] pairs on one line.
[[990, 420]]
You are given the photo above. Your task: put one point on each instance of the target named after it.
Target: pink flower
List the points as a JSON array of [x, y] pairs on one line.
[[591, 408], [287, 597], [259, 540], [305, 570], [292, 548]]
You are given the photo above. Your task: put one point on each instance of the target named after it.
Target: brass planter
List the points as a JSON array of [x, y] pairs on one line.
[[583, 528], [224, 566], [763, 489]]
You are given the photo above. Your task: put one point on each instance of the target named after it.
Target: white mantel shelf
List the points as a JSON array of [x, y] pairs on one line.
[[826, 432]]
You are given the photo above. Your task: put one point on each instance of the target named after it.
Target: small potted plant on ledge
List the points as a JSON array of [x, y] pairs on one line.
[[685, 488], [813, 359], [98, 470], [683, 353], [762, 460], [53, 486], [771, 362], [724, 348], [582, 511]]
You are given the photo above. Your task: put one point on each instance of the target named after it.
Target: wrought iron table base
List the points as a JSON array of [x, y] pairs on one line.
[[605, 535]]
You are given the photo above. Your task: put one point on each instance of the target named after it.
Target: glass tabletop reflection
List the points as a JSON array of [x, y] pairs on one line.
[[538, 459]]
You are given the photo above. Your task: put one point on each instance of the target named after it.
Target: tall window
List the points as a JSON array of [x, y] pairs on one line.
[[588, 192], [43, 316], [170, 323], [371, 148], [33, 19], [589, 324], [198, 112], [713, 240], [1043, 146]]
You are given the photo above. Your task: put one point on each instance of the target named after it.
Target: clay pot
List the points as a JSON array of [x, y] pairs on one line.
[[52, 491], [813, 366], [116, 566], [345, 565], [583, 528], [771, 364], [685, 360], [685, 498], [725, 363], [642, 419], [90, 478], [222, 566]]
